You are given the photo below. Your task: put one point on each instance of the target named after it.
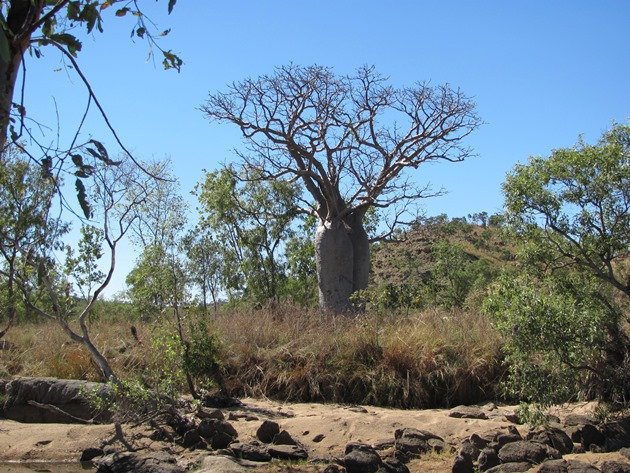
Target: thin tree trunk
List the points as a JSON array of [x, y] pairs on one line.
[[21, 13]]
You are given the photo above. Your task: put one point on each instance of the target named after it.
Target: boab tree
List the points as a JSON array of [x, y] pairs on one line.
[[350, 141]]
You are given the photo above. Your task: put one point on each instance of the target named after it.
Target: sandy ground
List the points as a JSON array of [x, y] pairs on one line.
[[305, 422]]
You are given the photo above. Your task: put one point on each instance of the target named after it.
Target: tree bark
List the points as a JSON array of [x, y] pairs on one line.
[[22, 13], [342, 255]]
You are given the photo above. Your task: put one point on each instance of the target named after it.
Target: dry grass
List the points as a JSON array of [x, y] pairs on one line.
[[429, 359]]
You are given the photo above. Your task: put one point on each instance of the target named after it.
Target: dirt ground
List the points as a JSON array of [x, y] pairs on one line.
[[306, 422]]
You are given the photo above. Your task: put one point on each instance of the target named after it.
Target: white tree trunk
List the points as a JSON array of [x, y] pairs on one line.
[[342, 255]]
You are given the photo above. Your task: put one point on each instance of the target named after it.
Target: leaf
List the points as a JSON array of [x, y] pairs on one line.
[[77, 160], [82, 197], [122, 11], [165, 32], [106, 4], [47, 166], [101, 154], [74, 10], [171, 4], [171, 61], [141, 31], [68, 40]]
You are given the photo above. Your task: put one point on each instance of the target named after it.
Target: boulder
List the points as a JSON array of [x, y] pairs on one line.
[[267, 431], [566, 466], [284, 438], [579, 419], [467, 412], [157, 462], [206, 413], [588, 435], [287, 452], [90, 454], [611, 466], [463, 464], [512, 467], [218, 433], [392, 465], [487, 459], [553, 437], [616, 434], [361, 459], [416, 442], [224, 464], [67, 395], [523, 451], [250, 451]]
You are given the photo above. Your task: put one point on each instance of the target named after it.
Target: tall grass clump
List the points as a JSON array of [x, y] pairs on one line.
[[433, 358]]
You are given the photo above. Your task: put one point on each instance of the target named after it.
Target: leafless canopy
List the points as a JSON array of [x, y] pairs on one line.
[[349, 139]]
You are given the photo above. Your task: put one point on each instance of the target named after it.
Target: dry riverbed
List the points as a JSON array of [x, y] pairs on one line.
[[323, 429]]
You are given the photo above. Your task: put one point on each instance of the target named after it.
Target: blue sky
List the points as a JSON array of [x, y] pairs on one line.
[[541, 73]]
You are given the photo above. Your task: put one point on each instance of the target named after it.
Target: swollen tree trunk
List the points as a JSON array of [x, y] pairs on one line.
[[342, 256]]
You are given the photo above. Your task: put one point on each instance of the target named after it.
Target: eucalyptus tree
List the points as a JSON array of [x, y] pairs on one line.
[[350, 141], [252, 219], [566, 314]]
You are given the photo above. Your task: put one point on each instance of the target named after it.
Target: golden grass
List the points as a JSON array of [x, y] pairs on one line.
[[428, 359]]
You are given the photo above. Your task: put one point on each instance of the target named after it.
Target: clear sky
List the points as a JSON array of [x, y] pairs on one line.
[[541, 72]]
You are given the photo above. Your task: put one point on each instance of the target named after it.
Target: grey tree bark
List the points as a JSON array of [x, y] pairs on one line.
[[342, 256]]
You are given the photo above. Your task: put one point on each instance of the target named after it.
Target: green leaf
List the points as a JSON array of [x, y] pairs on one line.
[[77, 160], [73, 11], [172, 61], [68, 40], [122, 11], [171, 4], [141, 31], [82, 197]]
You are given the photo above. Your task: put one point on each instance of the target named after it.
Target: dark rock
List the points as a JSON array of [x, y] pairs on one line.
[[287, 452], [392, 465], [284, 438], [513, 467], [577, 448], [579, 419], [552, 437], [220, 401], [611, 466], [487, 459], [66, 394], [504, 439], [158, 462], [625, 452], [90, 454], [362, 459], [589, 435], [523, 451], [225, 464], [463, 464], [566, 466], [416, 442], [209, 427], [221, 440], [250, 451], [383, 444], [512, 417], [478, 441], [191, 439], [616, 434], [205, 413], [352, 446], [333, 469], [468, 449], [359, 409], [267, 431], [318, 438], [467, 412]]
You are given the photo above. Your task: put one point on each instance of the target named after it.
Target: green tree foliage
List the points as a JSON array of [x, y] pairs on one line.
[[564, 317], [156, 282], [204, 264], [252, 219]]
